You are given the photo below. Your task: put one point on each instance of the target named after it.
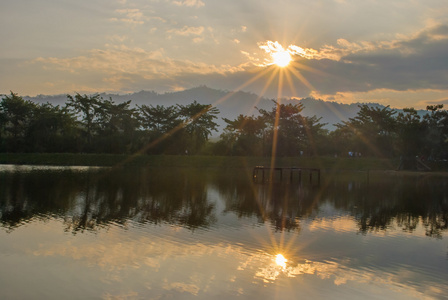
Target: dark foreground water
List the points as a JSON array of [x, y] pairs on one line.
[[80, 233]]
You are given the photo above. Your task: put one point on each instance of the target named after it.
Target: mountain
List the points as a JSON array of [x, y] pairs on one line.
[[230, 104], [330, 113]]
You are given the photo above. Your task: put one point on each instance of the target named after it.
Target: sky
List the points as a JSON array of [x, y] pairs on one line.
[[392, 52]]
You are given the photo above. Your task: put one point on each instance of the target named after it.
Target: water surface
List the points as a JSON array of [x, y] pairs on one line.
[[145, 233]]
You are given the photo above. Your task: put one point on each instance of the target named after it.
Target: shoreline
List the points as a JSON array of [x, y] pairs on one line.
[[110, 160], [225, 162]]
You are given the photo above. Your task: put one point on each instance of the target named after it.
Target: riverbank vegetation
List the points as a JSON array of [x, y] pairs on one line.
[[93, 125], [201, 161]]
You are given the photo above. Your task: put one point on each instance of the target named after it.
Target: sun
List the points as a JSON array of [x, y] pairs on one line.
[[281, 58], [277, 55], [280, 260]]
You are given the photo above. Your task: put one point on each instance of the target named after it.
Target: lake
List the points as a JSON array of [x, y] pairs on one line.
[[154, 233]]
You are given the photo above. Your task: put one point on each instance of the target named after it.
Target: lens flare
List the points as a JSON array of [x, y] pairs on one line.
[[281, 58], [280, 260]]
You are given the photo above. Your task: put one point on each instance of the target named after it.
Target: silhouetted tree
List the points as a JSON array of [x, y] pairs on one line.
[[87, 109], [199, 123], [244, 136], [289, 132], [159, 118], [15, 117], [410, 133], [162, 129], [436, 137], [52, 129], [117, 126], [371, 131]]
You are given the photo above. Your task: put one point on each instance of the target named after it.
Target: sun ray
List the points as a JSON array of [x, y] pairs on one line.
[[239, 88], [301, 66], [258, 197], [284, 71], [182, 125], [302, 78], [271, 235], [268, 82], [280, 84], [367, 142], [290, 83], [275, 138]]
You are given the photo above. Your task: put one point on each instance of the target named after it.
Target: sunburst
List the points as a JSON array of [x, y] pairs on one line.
[[281, 58]]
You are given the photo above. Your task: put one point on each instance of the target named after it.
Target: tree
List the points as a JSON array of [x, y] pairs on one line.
[[117, 124], [410, 133], [244, 135], [52, 129], [15, 117], [199, 123], [436, 137], [87, 109], [289, 132], [163, 130], [158, 118], [371, 131]]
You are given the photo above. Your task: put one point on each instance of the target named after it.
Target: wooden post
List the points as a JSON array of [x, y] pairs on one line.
[[272, 173]]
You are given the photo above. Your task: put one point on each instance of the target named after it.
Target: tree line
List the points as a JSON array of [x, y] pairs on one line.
[[146, 195], [91, 124]]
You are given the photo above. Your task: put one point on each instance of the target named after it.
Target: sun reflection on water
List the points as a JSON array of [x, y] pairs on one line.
[[280, 260]]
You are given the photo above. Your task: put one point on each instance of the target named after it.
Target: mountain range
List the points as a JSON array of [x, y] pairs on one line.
[[229, 103]]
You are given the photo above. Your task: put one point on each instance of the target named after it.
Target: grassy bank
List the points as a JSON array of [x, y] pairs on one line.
[[66, 159]]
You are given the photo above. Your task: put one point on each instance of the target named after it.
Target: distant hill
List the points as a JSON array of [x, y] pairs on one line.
[[330, 112], [230, 104]]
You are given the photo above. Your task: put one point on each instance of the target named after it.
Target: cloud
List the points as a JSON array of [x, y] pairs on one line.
[[395, 72], [120, 68], [132, 16], [424, 40], [273, 47], [247, 266], [187, 31], [117, 38], [326, 52], [198, 39], [183, 287], [419, 62], [158, 18], [342, 224], [441, 101], [123, 296], [383, 71], [190, 3], [416, 62]]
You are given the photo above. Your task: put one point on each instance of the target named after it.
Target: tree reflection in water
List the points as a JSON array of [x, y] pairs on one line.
[[91, 200], [385, 201]]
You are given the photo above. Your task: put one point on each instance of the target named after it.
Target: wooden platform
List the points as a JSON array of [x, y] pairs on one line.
[[280, 170]]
